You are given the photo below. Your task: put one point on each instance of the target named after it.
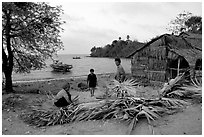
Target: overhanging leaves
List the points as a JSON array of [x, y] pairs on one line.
[[34, 32]]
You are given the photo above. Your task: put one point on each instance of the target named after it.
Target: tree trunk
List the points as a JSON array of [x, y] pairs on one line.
[[7, 69], [9, 87], [7, 64]]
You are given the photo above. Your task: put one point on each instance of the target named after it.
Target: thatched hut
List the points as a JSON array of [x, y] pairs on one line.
[[166, 56]]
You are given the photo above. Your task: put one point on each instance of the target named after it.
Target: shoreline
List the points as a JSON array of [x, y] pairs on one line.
[[108, 57], [54, 85], [56, 79]]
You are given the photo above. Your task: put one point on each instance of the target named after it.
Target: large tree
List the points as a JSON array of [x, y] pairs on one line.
[[185, 21], [30, 35], [194, 24], [177, 25]]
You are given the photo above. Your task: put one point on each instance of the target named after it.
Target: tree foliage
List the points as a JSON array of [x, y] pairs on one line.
[[185, 21], [176, 25], [30, 34], [194, 24], [34, 33], [116, 49]]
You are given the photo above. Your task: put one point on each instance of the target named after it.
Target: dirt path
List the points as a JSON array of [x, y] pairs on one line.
[[188, 122]]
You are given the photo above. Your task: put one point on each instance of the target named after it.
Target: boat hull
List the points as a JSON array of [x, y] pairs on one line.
[[76, 57], [61, 67]]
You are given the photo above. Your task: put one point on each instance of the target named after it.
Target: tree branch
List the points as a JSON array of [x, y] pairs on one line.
[[18, 62], [15, 29], [5, 59]]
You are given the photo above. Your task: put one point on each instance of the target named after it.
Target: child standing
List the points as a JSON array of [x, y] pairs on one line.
[[92, 81]]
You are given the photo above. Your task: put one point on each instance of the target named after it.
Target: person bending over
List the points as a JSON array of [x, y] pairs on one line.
[[63, 97]]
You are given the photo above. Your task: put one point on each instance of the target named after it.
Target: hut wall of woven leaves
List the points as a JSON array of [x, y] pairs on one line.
[[158, 61], [150, 62]]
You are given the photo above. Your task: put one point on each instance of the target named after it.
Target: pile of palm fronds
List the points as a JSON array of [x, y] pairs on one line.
[[186, 92], [181, 91], [39, 117], [127, 88], [168, 87], [196, 82], [126, 106], [128, 109]]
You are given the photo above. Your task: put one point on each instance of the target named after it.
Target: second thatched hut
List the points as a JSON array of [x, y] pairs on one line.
[[166, 56]]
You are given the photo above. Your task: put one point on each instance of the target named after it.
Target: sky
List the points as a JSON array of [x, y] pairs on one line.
[[90, 24]]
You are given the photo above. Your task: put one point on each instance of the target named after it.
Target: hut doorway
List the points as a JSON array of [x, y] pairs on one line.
[[198, 65], [198, 71], [177, 66]]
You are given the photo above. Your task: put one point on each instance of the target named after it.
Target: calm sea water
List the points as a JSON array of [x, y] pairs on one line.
[[81, 67]]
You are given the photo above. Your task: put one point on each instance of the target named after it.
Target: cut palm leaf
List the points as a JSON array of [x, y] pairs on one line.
[[132, 125]]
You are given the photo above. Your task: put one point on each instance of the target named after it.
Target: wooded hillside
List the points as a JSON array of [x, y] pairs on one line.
[[118, 48]]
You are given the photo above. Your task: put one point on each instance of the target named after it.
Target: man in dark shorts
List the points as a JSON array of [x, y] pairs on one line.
[[92, 81]]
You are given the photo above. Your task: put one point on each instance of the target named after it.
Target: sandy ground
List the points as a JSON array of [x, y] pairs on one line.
[[187, 121]]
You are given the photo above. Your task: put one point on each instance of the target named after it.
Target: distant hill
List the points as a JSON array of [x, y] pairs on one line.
[[116, 49]]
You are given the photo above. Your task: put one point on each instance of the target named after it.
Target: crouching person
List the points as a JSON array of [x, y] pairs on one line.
[[63, 97]]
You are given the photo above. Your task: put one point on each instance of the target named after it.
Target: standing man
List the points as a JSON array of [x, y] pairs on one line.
[[120, 74]]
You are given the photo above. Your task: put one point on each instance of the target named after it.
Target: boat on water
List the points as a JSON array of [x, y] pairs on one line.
[[77, 57], [60, 67]]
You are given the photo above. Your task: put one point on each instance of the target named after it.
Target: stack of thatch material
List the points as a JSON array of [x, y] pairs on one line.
[[174, 89], [126, 106]]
